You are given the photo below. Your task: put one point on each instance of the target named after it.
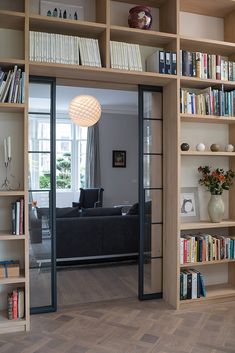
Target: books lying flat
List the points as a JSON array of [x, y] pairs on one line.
[[12, 85], [125, 56], [63, 49]]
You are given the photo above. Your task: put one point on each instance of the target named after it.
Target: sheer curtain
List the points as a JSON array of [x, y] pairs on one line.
[[93, 157]]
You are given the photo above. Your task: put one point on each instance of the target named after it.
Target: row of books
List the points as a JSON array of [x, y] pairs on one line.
[[205, 247], [208, 101], [206, 66], [163, 62], [64, 49], [17, 217], [16, 304], [192, 284], [125, 56], [12, 85]]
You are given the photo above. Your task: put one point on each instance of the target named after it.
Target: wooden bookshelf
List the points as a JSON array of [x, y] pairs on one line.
[[208, 153], [195, 82], [208, 119], [204, 263], [13, 280], [12, 20], [12, 107], [207, 46], [215, 8]]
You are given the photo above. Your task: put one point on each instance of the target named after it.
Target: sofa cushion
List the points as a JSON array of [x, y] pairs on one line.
[[101, 211], [67, 212], [42, 211], [134, 210]]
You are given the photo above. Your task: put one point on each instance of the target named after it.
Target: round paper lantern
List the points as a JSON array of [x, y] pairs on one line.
[[84, 110]]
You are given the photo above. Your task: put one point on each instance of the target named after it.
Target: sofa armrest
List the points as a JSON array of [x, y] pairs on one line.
[[76, 204]]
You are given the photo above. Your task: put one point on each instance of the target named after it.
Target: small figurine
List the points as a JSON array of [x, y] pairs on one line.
[[200, 147], [75, 15], [55, 12], [49, 13], [65, 14], [215, 147], [60, 15], [229, 148], [184, 146]]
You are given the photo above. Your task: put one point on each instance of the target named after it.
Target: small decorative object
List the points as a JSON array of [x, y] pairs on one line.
[[85, 110], [215, 147], [119, 159], [229, 148], [140, 17], [59, 10], [200, 147], [184, 146], [10, 178], [216, 181], [189, 205]]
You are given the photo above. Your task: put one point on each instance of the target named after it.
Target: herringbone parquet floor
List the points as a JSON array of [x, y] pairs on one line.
[[128, 326]]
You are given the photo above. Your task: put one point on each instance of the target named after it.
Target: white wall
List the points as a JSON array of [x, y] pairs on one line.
[[119, 132]]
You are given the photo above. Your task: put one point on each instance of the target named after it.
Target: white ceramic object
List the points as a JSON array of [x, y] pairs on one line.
[[216, 208], [200, 147], [229, 148]]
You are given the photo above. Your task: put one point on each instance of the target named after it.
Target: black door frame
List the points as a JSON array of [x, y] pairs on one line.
[[52, 194], [141, 90]]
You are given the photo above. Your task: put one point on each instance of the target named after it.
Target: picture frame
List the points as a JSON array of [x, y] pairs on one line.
[[189, 205], [119, 159], [47, 8]]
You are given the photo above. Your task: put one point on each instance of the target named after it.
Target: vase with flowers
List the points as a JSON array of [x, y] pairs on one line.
[[216, 181]]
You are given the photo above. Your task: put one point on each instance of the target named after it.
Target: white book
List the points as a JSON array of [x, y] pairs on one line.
[[139, 61], [77, 61], [86, 53], [2, 88], [98, 53], [112, 55], [12, 84], [194, 284], [130, 58], [31, 46], [57, 53], [17, 217], [185, 284], [7, 86], [119, 55], [95, 56], [81, 46], [21, 305], [116, 59], [125, 51], [90, 52], [181, 251], [72, 49]]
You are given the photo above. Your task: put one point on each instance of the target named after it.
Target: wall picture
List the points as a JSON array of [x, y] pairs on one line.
[[189, 206], [57, 9], [119, 159]]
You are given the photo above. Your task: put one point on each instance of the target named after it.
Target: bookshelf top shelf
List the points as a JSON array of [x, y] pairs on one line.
[[12, 20], [195, 82], [60, 25], [204, 263], [207, 225], [208, 153], [151, 3], [12, 193], [197, 118], [215, 8], [207, 45], [12, 107]]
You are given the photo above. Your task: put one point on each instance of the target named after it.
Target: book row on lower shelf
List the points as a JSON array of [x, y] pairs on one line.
[[16, 304], [12, 85], [17, 217], [205, 247], [206, 66], [208, 101], [192, 284]]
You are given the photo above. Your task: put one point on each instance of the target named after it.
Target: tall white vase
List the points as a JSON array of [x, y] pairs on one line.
[[216, 208]]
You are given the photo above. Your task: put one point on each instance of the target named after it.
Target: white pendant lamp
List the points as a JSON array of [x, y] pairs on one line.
[[84, 110]]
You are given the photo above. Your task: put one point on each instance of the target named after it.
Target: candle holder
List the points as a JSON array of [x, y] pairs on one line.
[[10, 182]]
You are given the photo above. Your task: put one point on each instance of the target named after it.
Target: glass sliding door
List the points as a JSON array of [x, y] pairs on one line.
[[150, 192], [41, 186]]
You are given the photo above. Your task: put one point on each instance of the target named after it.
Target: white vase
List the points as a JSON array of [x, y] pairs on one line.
[[216, 208]]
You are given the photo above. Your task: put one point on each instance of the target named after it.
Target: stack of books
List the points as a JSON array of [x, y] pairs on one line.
[[206, 66], [12, 84], [208, 101], [63, 49], [16, 304], [17, 217], [163, 62], [125, 56], [205, 247], [191, 284]]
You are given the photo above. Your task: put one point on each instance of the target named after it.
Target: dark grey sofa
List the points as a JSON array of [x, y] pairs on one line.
[[97, 237]]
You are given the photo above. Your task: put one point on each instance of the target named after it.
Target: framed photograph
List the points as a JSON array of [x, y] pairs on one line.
[[57, 9], [119, 159], [189, 205]]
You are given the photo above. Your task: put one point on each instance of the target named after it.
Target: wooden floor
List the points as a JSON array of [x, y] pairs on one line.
[[128, 326]]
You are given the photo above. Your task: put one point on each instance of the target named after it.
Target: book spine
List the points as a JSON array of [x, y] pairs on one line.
[[15, 304], [13, 218], [218, 67]]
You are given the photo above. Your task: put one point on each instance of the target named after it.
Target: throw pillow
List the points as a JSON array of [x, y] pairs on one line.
[[67, 212], [134, 210], [101, 211], [42, 211]]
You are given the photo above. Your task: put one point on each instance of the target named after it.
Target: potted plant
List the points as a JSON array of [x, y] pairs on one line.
[[216, 181]]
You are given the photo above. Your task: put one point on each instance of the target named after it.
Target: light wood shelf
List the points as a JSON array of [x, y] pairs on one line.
[[12, 19], [215, 8], [5, 322], [12, 193], [195, 82], [12, 107], [203, 263], [208, 153], [213, 292], [208, 119], [207, 225], [6, 235], [6, 62], [64, 26], [13, 280], [150, 3]]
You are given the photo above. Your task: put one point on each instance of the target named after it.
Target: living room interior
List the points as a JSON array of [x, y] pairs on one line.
[[131, 249]]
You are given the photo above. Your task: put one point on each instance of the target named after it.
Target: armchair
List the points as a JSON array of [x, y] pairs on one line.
[[90, 198]]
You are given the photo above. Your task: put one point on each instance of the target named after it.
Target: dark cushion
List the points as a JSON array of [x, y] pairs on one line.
[[101, 211], [42, 211], [134, 210], [67, 212]]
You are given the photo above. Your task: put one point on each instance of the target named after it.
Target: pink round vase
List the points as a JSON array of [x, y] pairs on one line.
[[140, 17]]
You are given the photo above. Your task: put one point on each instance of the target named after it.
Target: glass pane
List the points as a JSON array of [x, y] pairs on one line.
[[155, 199], [39, 98], [63, 131], [152, 136], [39, 133], [152, 171], [39, 171], [152, 276], [152, 105], [40, 249], [63, 168]]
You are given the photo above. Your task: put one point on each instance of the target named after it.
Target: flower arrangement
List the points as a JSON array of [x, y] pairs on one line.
[[217, 180]]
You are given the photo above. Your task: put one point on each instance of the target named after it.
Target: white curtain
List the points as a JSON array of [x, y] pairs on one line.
[[93, 157]]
